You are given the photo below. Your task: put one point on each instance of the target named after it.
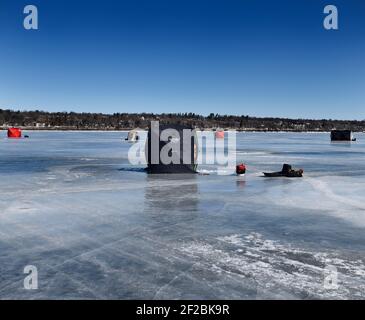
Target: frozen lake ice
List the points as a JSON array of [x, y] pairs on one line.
[[97, 228]]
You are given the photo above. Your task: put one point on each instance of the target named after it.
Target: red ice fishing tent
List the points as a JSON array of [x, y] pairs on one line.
[[219, 134], [14, 133]]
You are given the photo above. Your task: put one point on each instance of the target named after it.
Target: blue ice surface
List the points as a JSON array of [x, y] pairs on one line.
[[97, 228]]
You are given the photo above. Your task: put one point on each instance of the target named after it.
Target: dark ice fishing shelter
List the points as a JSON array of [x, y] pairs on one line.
[[187, 155], [341, 135]]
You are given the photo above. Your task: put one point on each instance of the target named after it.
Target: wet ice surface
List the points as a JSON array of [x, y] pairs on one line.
[[97, 228]]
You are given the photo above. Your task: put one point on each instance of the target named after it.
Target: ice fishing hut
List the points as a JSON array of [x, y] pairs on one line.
[[342, 135], [14, 133], [133, 135], [219, 133], [177, 144]]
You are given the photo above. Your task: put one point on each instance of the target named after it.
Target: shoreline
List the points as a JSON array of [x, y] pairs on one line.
[[63, 129]]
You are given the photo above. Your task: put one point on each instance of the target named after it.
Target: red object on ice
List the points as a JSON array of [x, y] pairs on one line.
[[241, 169], [14, 133], [219, 134]]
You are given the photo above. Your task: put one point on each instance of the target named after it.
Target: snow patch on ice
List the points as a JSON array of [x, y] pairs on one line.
[[278, 267]]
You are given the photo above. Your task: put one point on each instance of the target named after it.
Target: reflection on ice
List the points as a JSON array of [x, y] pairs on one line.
[[170, 193]]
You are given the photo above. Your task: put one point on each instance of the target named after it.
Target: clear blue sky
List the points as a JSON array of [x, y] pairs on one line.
[[261, 58]]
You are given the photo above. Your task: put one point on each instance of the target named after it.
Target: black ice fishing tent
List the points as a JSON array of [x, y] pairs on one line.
[[341, 135], [182, 147]]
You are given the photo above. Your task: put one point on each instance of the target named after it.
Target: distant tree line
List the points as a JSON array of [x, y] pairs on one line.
[[122, 121]]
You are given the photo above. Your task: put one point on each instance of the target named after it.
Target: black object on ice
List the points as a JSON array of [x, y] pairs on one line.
[[187, 163], [342, 135], [286, 171]]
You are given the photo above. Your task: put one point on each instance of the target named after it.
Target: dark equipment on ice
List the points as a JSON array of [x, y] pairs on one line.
[[180, 167], [286, 171]]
